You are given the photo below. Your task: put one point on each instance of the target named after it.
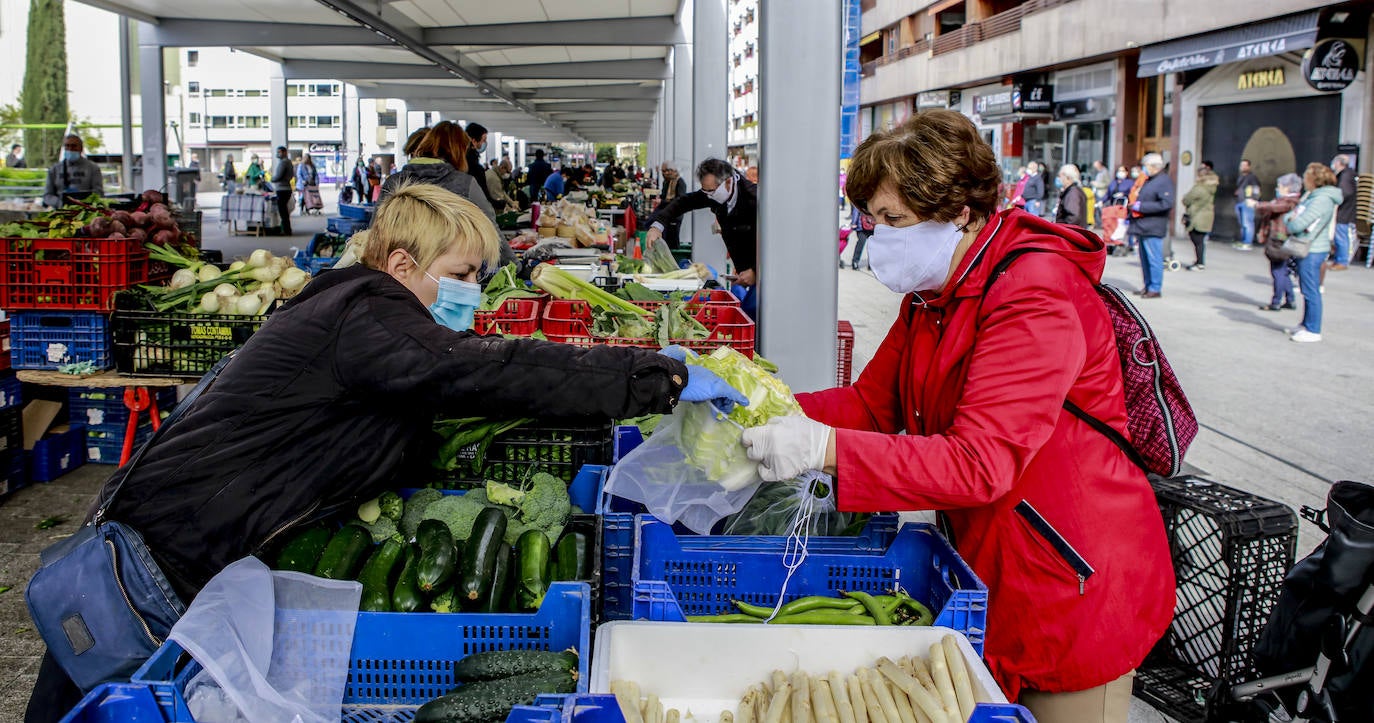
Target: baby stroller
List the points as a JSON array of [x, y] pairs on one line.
[[1318, 647], [311, 202]]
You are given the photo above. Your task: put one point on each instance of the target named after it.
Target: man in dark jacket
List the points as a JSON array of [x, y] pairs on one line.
[[281, 181], [476, 168], [673, 187], [1073, 201], [73, 174], [1346, 235], [733, 200], [1150, 223], [1247, 198], [1034, 191], [538, 172]]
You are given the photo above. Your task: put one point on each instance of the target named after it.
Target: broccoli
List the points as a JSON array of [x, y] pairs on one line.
[[542, 504], [391, 506], [415, 510], [381, 530], [459, 512], [444, 602], [369, 511]]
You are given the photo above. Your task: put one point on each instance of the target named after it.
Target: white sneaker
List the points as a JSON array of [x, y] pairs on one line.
[[1304, 336]]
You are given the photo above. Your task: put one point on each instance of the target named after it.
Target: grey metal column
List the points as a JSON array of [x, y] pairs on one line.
[[126, 106], [800, 64], [153, 105], [710, 80], [277, 110], [682, 125]]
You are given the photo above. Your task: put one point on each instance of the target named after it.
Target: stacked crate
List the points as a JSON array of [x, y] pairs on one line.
[[13, 468], [106, 418]]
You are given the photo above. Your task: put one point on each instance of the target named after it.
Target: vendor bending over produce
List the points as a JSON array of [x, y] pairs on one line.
[[962, 410], [319, 409]]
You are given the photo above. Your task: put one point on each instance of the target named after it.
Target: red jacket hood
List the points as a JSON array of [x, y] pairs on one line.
[[1015, 229]]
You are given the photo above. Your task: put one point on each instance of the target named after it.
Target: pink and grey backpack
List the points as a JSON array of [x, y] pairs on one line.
[[1159, 420]]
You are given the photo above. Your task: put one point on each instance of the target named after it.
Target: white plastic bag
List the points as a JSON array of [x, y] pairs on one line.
[[693, 470], [274, 645]]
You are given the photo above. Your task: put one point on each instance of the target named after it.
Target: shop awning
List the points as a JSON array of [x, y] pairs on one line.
[[1272, 37]]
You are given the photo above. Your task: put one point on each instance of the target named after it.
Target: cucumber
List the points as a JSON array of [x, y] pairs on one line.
[[572, 559], [341, 558], [532, 569], [494, 601], [303, 552], [437, 556], [479, 555], [376, 577], [497, 664], [406, 596], [491, 700]]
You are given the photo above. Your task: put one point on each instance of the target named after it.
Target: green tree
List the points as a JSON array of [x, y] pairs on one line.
[[10, 116], [642, 155], [45, 81], [605, 152]]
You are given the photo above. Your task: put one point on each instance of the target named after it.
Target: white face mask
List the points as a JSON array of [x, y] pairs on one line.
[[913, 258], [1121, 174], [721, 194]]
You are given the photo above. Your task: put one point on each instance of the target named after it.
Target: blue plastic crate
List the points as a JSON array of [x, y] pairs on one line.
[[102, 409], [49, 339], [345, 226], [1004, 713], [400, 661], [15, 468], [117, 703], [11, 391], [676, 576], [107, 447], [356, 211], [57, 454]]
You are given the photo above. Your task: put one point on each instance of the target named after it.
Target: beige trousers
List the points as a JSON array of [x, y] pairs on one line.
[[1110, 703]]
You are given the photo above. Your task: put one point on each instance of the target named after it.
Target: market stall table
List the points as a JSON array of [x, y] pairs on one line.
[[136, 396], [255, 211]]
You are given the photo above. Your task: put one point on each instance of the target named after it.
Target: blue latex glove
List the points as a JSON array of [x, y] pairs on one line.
[[704, 385]]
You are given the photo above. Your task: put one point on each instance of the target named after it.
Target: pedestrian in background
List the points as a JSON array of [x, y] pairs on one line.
[[673, 187], [229, 176], [1199, 212], [862, 224], [1120, 189], [1347, 238], [254, 175], [1314, 221], [1102, 180], [282, 175], [1034, 191], [496, 176], [1150, 222], [1073, 202], [15, 158], [1247, 197], [538, 172], [1016, 199], [307, 178], [1271, 232]]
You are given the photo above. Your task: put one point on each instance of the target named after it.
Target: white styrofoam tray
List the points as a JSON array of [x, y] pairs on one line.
[[703, 669], [671, 284]]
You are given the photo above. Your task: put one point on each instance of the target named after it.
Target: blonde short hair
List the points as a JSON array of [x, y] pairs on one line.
[[427, 221]]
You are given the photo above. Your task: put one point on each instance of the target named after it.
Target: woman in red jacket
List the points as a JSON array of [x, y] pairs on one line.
[[962, 410]]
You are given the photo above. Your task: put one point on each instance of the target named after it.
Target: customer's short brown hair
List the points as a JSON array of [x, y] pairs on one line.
[[1320, 175], [446, 141], [936, 161]]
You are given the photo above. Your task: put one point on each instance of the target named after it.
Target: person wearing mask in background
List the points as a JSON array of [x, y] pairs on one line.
[[1073, 202], [538, 172], [1347, 238], [1119, 191], [1271, 231], [673, 187], [307, 180], [1034, 191], [477, 168], [254, 175], [1022, 177], [497, 175], [359, 181], [1102, 180], [15, 158], [862, 224], [611, 175], [72, 175], [229, 176], [1314, 220], [1150, 222], [282, 175], [734, 201], [1247, 197], [1199, 212], [751, 174], [961, 410], [557, 184]]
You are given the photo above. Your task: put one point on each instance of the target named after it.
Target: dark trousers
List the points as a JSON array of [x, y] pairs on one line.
[[284, 210], [54, 694], [1199, 239], [860, 238], [1283, 282]]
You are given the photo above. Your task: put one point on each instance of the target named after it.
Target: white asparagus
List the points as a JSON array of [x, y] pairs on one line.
[[889, 705], [903, 701], [779, 678], [855, 690], [875, 708], [727, 717], [822, 702], [746, 705], [801, 698], [923, 675], [958, 674], [907, 666], [673, 716], [924, 699], [628, 699], [844, 708], [939, 671], [778, 705], [765, 694], [653, 709]]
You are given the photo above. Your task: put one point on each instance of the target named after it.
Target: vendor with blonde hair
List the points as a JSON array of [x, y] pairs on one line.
[[328, 404]]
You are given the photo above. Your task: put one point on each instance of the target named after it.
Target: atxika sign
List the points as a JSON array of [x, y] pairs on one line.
[[1267, 78]]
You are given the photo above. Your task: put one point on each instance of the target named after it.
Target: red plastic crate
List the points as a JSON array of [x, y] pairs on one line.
[[516, 317], [844, 349], [570, 322], [78, 274]]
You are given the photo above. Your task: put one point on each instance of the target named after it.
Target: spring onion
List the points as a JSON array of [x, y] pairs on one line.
[[563, 285]]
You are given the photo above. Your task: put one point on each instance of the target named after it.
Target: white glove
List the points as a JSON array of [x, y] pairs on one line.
[[787, 447]]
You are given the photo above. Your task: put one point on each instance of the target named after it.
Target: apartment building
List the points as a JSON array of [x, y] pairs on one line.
[[743, 27]]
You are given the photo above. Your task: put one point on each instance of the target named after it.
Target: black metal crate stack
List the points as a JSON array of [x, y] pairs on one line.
[[559, 448], [1231, 550]]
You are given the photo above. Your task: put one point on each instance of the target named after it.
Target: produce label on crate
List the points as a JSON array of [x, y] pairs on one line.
[[203, 332], [57, 353]]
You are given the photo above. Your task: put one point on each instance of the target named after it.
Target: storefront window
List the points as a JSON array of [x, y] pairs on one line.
[[1088, 143], [1045, 142]]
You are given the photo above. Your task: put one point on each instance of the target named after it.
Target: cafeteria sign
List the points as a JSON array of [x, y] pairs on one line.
[[1331, 66]]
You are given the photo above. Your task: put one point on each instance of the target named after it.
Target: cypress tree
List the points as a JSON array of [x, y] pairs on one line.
[[44, 94]]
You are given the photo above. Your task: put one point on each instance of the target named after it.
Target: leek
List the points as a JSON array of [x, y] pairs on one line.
[[563, 285]]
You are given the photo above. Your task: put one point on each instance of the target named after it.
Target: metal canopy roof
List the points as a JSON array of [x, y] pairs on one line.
[[544, 70]]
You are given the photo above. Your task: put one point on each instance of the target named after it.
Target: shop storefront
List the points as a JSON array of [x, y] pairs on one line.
[[1085, 108], [1265, 106], [1019, 113]]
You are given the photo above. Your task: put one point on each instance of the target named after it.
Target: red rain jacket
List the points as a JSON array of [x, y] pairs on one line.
[[1062, 527]]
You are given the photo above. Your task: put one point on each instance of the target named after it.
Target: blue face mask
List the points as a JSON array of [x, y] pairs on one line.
[[70, 155]]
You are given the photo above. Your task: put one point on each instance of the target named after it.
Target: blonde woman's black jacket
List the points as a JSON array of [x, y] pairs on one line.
[[329, 402]]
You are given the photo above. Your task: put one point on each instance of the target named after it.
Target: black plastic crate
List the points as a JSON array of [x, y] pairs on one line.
[[11, 430], [559, 449], [1231, 550], [173, 343], [589, 525]]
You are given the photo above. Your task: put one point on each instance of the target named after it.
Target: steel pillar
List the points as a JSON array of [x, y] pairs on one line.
[[277, 110], [710, 81], [153, 103]]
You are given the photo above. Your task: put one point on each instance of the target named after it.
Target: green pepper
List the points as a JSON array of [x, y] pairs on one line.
[[818, 602], [757, 611], [823, 617], [724, 618], [880, 614]]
